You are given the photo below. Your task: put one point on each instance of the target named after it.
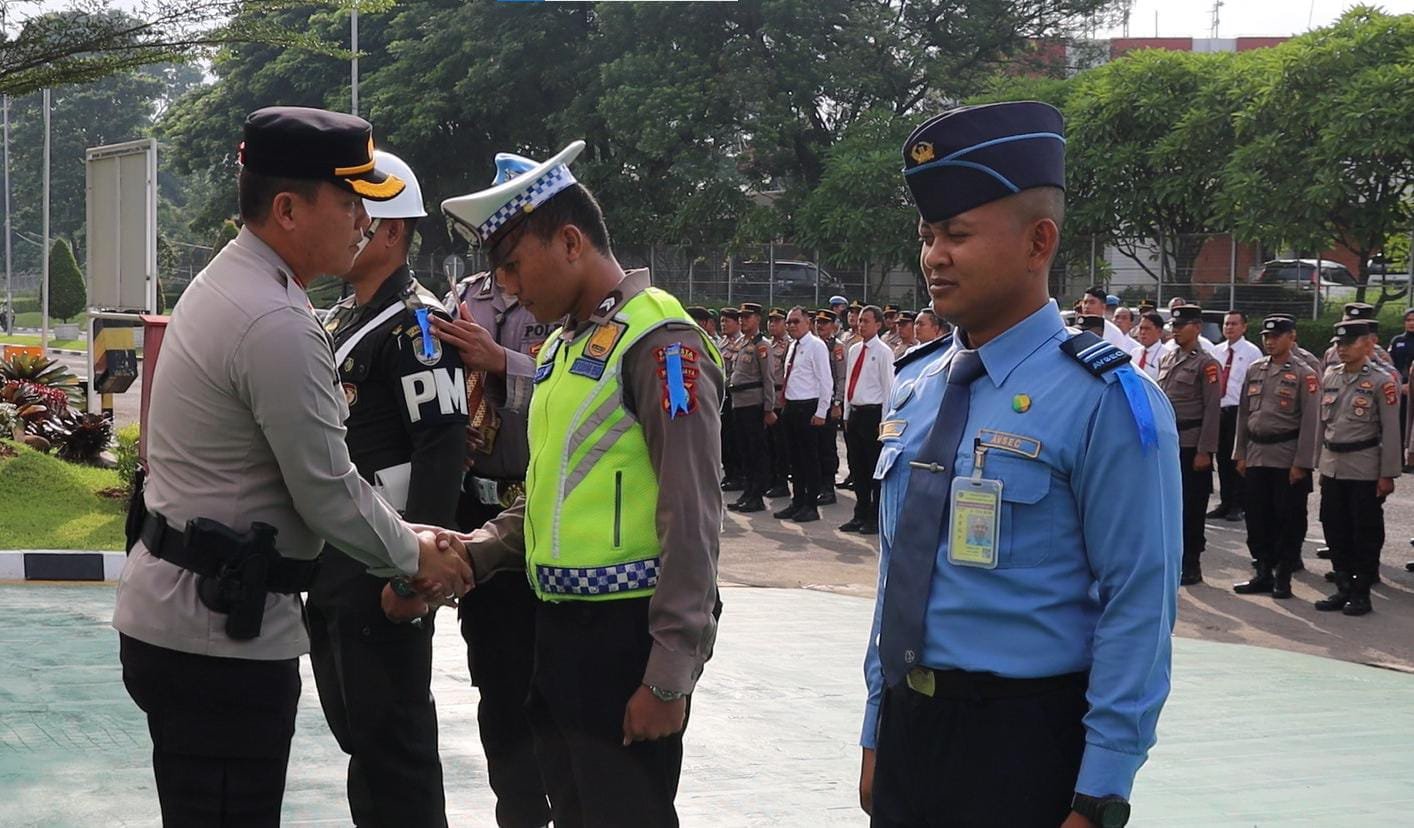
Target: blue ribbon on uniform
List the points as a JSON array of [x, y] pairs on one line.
[[677, 391], [1139, 405], [427, 343]]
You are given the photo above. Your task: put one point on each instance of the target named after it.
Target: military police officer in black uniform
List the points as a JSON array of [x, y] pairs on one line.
[[406, 435]]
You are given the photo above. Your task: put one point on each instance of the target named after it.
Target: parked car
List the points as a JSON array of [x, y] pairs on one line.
[[1302, 273], [794, 283]]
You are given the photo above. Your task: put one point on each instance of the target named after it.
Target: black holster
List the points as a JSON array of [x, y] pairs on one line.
[[137, 511], [239, 586]]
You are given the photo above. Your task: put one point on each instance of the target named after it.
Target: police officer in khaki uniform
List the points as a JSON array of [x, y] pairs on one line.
[[1363, 312], [906, 337], [1359, 458], [1189, 376], [890, 334], [780, 446], [1275, 451], [620, 546], [249, 475], [751, 385], [733, 465]]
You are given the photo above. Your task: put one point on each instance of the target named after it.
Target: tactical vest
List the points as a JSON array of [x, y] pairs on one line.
[[591, 493]]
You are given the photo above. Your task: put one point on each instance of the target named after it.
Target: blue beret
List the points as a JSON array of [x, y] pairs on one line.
[[973, 155]]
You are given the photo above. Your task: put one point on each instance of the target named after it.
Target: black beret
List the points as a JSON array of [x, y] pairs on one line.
[[304, 143], [973, 155]]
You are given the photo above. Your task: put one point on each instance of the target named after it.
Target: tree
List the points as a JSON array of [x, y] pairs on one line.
[[1129, 182], [91, 39], [1325, 153], [67, 295]]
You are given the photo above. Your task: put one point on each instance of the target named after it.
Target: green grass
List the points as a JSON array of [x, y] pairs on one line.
[[26, 339], [32, 319], [47, 503]]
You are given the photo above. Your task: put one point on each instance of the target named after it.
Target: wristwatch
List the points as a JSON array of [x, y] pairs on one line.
[[402, 587], [664, 695], [1104, 811]]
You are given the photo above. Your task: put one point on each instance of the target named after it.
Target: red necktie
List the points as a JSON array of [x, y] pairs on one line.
[[1143, 358], [854, 372], [1227, 369]]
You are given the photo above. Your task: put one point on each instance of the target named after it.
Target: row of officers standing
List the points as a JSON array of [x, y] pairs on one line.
[[794, 386], [1298, 420]]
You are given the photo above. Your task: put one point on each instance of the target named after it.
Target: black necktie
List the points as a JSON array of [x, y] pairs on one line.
[[920, 524]]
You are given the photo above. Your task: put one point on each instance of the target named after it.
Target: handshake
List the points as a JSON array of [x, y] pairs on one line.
[[444, 574]]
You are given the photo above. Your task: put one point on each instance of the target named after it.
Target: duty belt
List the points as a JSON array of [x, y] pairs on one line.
[[1346, 448], [747, 386], [962, 684], [1184, 425], [494, 491], [285, 575], [598, 580], [1271, 439]]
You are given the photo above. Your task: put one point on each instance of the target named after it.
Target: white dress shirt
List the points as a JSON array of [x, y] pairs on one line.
[[1151, 362], [1244, 353], [1118, 338], [876, 375], [809, 376]]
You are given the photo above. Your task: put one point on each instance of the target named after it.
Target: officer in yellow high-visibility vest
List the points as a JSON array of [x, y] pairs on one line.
[[618, 526]]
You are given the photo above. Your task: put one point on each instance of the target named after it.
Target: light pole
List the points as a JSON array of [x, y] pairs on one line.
[[44, 234], [9, 287], [353, 67]]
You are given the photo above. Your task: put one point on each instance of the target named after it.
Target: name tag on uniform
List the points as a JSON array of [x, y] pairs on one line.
[[976, 517]]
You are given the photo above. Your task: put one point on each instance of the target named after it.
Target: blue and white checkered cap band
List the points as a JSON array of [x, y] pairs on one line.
[[599, 580], [536, 193]]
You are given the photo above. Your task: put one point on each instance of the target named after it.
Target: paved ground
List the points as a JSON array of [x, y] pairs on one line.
[[1251, 737]]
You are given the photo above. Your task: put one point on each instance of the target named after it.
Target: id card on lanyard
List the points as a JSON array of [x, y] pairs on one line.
[[976, 517]]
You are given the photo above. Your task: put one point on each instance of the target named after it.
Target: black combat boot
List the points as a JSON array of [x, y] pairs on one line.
[[1338, 599], [1259, 583], [1359, 602], [1281, 582]]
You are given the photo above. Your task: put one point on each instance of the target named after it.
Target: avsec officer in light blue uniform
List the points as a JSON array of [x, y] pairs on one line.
[[1020, 651]]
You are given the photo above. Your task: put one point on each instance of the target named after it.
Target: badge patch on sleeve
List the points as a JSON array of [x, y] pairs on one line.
[[1391, 393], [677, 368], [1310, 383], [1210, 371], [761, 351]]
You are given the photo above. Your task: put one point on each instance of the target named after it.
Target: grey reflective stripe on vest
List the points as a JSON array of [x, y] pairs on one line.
[[348, 346]]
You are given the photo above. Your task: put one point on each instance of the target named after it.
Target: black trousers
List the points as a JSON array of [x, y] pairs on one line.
[[498, 625], [978, 763], [755, 454], [1353, 520], [804, 440], [861, 441], [731, 451], [829, 453], [1230, 483], [780, 452], [1276, 516], [589, 660], [221, 730], [374, 679], [1197, 486]]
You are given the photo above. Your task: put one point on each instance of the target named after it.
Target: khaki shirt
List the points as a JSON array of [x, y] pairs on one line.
[[1358, 406], [753, 381], [513, 328], [837, 371], [1278, 398], [901, 347], [1311, 360], [1190, 379], [686, 454], [245, 424], [779, 349]]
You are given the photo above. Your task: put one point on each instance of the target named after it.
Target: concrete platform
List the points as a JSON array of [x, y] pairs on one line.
[[1251, 737]]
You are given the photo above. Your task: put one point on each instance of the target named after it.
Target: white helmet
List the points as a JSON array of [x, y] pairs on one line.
[[408, 203]]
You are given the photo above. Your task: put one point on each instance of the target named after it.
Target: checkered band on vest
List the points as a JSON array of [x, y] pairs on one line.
[[539, 191], [599, 580]]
